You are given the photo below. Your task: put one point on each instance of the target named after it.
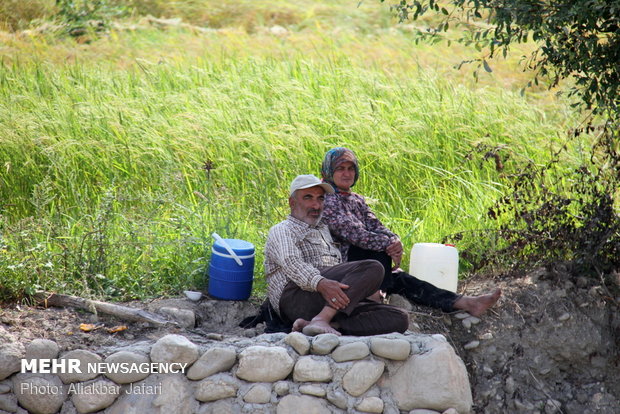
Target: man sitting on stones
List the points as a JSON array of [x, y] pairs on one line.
[[307, 282]]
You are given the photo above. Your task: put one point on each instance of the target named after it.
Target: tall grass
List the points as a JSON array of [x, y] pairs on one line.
[[118, 165]]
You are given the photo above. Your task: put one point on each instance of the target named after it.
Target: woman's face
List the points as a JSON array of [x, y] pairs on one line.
[[344, 176]]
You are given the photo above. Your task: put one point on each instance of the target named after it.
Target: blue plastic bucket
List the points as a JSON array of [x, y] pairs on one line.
[[228, 279]]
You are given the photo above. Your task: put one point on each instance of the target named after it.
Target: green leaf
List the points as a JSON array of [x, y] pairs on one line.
[[486, 66]]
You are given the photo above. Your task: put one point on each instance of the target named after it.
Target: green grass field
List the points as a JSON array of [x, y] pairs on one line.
[[104, 140]]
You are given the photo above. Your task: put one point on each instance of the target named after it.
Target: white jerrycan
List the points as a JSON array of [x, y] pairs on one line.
[[435, 263]]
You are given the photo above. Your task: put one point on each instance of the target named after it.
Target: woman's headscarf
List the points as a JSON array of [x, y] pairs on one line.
[[333, 158]]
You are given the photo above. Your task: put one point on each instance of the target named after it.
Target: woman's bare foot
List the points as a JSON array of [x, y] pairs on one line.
[[477, 305], [316, 327]]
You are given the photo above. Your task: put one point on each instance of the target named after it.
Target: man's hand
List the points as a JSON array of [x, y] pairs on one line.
[[330, 290], [395, 251]]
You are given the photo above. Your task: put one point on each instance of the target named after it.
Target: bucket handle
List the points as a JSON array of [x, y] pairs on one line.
[[227, 247]]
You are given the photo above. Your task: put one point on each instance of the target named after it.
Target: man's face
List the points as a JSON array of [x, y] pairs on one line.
[[307, 204]]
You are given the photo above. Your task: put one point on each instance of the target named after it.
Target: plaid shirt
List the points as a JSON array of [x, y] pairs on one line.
[[297, 251]]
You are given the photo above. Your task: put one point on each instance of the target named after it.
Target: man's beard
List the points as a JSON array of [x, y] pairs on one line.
[[315, 221]]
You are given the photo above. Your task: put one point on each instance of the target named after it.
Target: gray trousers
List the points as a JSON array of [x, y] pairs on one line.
[[361, 317]]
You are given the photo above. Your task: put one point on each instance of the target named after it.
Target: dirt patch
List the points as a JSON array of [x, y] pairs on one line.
[[62, 325], [551, 345]]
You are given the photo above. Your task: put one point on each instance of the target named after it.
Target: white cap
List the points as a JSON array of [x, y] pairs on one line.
[[308, 180]]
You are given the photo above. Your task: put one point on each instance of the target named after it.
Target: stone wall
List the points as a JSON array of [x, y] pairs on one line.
[[270, 373]]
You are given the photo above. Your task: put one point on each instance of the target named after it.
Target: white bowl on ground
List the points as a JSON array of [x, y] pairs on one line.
[[193, 295]]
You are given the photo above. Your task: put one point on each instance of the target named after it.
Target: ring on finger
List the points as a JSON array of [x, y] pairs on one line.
[[334, 300]]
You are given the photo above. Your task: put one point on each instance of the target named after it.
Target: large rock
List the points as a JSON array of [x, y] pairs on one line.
[[351, 352], [312, 389], [131, 359], [214, 360], [5, 386], [42, 349], [295, 404], [94, 395], [435, 380], [174, 348], [299, 342], [85, 358], [396, 349], [264, 364], [258, 394], [361, 376], [310, 369], [8, 403], [370, 405], [216, 388], [39, 393], [324, 344], [338, 398], [11, 355], [281, 388], [158, 394]]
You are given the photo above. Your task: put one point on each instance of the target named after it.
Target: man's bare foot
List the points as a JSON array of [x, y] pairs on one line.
[[300, 324], [317, 327], [477, 305]]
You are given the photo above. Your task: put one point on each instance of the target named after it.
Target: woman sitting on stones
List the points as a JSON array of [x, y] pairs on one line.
[[362, 236]]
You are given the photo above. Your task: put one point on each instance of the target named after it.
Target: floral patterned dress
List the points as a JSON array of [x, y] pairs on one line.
[[351, 222]]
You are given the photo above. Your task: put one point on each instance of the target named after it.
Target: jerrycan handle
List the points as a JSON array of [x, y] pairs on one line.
[[227, 247]]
